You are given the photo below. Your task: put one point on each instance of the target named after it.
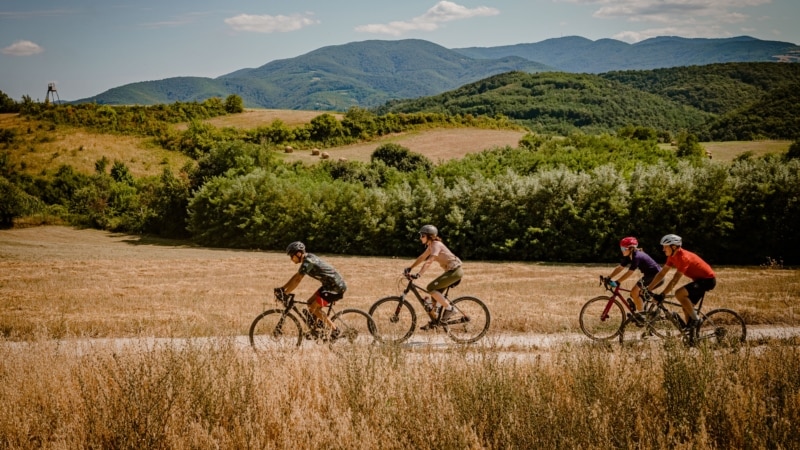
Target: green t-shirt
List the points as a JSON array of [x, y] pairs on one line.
[[319, 270]]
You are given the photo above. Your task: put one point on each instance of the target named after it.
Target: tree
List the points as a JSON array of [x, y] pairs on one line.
[[689, 146], [234, 104], [401, 158]]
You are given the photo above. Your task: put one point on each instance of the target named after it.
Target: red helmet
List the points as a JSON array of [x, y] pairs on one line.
[[629, 241]]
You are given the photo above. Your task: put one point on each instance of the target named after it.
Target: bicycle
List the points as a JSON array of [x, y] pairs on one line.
[[281, 327], [396, 318], [723, 327], [602, 318]]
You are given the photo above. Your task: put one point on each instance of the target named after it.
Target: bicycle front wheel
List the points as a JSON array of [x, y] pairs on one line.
[[598, 324], [275, 329], [723, 327], [470, 320], [355, 327], [394, 319]]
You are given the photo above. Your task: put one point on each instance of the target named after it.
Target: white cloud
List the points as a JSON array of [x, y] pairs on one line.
[[443, 11], [688, 18], [271, 24], [22, 48]]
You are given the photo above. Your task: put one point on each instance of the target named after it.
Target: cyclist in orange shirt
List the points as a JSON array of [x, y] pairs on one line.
[[692, 266]]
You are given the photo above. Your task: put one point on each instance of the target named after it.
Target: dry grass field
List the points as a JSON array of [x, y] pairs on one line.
[[58, 282], [63, 387], [728, 151]]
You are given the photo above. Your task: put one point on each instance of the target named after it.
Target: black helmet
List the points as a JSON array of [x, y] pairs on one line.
[[429, 230], [295, 247]]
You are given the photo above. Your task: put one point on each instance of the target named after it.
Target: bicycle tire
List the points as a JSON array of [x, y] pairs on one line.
[[394, 319], [592, 323], [654, 325], [470, 320], [723, 327], [273, 329], [355, 326]]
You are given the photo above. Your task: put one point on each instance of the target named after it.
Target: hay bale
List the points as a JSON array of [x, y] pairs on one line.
[[342, 159], [288, 149], [314, 152], [324, 155]]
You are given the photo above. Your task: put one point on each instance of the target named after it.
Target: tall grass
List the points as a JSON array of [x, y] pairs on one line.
[[219, 395]]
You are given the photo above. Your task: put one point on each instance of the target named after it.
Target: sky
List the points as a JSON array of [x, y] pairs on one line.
[[86, 47]]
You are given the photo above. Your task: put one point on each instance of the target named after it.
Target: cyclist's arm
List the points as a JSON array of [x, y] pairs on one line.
[[657, 279], [672, 282], [424, 256], [293, 282], [625, 276], [616, 270]]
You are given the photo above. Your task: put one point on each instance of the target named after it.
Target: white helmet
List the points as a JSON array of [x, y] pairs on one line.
[[672, 239]]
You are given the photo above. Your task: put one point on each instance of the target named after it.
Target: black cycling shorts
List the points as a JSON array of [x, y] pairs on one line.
[[698, 288]]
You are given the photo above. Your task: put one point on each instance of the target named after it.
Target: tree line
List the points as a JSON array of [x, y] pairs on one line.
[[552, 198]]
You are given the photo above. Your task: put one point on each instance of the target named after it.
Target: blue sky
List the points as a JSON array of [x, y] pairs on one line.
[[89, 46]]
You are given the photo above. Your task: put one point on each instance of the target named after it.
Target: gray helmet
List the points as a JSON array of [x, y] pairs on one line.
[[295, 247], [429, 230], [672, 239]]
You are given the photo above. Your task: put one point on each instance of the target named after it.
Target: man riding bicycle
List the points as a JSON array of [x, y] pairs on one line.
[[691, 265], [333, 285]]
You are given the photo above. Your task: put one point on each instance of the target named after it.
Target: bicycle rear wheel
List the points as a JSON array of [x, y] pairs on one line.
[[394, 319], [597, 326], [355, 327], [470, 320], [274, 329], [723, 327]]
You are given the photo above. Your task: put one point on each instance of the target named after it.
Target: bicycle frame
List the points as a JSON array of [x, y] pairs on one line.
[[290, 305], [616, 294], [416, 289]]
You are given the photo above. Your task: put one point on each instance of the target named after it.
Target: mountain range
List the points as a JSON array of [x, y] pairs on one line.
[[370, 73]]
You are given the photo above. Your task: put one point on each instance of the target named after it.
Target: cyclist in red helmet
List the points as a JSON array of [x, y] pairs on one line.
[[635, 258], [435, 250]]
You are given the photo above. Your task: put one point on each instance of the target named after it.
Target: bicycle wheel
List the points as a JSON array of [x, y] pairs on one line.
[[470, 320], [722, 327], [394, 319], [653, 325], [355, 327], [595, 325], [274, 329]]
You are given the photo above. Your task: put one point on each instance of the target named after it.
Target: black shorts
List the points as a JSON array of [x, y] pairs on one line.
[[698, 288]]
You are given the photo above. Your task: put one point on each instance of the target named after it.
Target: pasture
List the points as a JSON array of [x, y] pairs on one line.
[[120, 341]]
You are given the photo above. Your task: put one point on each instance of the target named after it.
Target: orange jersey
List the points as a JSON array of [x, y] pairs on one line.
[[690, 265]]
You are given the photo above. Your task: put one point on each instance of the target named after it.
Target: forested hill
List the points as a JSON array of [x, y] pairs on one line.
[[733, 101], [369, 73], [578, 54]]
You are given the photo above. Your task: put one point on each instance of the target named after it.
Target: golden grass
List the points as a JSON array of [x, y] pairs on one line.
[[213, 391], [727, 151], [61, 282], [438, 144], [39, 150]]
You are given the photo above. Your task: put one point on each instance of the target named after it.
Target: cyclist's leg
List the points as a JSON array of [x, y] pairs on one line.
[[682, 295], [319, 300], [692, 293], [440, 283], [637, 299]]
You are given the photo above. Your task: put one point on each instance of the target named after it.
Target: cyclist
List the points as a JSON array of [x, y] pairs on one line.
[[333, 285], [692, 266], [635, 258], [435, 250]]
